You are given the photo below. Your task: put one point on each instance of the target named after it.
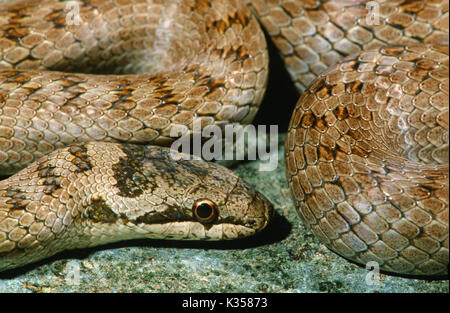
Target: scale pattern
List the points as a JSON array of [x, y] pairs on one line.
[[367, 147], [367, 159], [208, 65]]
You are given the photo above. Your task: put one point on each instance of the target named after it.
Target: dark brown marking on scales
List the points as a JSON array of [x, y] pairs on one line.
[[354, 87], [163, 91], [393, 50], [318, 85], [320, 125], [350, 66], [358, 151], [356, 135], [201, 4], [236, 18], [128, 172], [10, 75], [81, 160], [225, 53], [57, 17], [124, 91], [201, 78], [228, 21], [18, 77], [99, 211], [18, 199], [70, 84], [341, 113], [326, 154], [170, 214], [308, 119], [52, 184], [14, 30]]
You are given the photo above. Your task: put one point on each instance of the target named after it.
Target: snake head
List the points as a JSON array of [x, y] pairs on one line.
[[181, 198], [225, 207]]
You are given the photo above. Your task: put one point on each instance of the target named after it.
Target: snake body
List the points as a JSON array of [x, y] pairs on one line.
[[366, 151]]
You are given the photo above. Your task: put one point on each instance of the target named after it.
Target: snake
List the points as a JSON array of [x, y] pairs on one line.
[[92, 90]]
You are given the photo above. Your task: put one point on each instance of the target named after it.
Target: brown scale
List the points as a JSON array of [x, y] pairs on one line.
[[380, 208], [129, 116]]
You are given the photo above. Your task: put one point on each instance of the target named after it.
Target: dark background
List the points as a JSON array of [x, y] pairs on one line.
[[281, 95]]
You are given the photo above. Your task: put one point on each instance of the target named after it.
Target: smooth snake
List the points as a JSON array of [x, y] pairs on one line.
[[366, 151]]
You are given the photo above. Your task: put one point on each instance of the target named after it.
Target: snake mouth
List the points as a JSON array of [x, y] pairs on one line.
[[189, 230]]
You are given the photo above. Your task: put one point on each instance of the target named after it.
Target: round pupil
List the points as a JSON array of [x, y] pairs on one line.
[[204, 210]]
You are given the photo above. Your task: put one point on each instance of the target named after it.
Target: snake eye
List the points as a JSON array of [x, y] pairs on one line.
[[204, 210]]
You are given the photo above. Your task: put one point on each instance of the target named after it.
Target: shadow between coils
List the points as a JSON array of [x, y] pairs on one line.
[[281, 95], [277, 230]]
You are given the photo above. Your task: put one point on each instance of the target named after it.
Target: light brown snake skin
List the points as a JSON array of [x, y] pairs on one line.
[[366, 152]]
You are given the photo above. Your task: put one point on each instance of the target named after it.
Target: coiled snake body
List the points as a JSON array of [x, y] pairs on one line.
[[366, 151]]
